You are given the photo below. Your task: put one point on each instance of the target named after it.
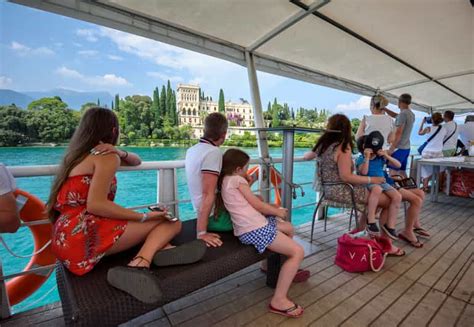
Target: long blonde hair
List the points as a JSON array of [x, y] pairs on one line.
[[97, 125]]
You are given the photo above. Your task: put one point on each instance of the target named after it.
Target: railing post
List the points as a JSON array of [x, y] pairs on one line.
[[4, 301], [288, 152], [264, 176], [167, 188]]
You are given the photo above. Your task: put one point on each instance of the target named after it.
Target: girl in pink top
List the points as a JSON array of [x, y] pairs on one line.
[[252, 227]]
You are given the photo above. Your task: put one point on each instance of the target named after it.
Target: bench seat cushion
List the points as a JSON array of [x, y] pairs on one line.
[[89, 299]]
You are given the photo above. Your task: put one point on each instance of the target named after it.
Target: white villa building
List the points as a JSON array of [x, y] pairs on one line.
[[192, 110]]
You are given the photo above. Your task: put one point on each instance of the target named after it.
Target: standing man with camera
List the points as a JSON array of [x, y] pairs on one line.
[[400, 147]]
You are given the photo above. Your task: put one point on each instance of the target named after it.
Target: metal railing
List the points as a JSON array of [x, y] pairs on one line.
[[168, 196]]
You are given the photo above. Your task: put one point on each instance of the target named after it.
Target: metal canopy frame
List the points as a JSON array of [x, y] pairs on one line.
[[118, 18]]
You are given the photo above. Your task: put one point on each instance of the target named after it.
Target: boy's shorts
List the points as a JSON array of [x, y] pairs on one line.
[[385, 187]]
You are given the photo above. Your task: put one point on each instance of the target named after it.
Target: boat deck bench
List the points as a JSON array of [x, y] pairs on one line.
[[89, 300]]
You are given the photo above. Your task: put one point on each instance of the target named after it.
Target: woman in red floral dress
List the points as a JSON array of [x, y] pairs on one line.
[[88, 224]]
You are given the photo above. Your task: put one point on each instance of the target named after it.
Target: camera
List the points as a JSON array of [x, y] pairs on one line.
[[428, 120]]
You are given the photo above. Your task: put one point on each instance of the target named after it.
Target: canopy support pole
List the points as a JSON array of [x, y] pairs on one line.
[[259, 123]]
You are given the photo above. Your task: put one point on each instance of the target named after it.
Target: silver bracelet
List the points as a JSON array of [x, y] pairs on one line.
[[144, 217], [201, 233], [370, 179]]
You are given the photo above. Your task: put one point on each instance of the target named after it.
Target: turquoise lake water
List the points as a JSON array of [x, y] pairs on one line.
[[134, 189]]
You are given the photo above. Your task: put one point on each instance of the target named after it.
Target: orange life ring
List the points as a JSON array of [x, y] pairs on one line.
[[275, 179], [19, 288]]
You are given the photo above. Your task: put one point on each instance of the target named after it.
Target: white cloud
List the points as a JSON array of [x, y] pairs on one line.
[[88, 53], [24, 50], [362, 103], [206, 70], [104, 81], [76, 44], [89, 34], [5, 81], [114, 57], [165, 77]]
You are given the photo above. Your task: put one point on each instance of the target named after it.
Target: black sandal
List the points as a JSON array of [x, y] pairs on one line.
[[187, 253], [139, 282]]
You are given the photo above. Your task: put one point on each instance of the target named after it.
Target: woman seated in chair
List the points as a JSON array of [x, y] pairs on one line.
[[334, 150], [382, 123]]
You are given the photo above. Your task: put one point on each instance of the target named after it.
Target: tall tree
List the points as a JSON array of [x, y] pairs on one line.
[[169, 102], [155, 108], [98, 102], [163, 102], [175, 112], [117, 103], [221, 101], [112, 105], [269, 107]]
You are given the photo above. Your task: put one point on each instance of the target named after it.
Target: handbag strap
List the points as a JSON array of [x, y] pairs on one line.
[[434, 135], [455, 129], [384, 256]]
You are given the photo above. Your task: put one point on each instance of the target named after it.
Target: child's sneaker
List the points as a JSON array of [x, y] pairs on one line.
[[372, 229], [391, 232]]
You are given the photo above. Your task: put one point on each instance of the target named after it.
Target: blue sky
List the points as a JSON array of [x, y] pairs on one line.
[[42, 51]]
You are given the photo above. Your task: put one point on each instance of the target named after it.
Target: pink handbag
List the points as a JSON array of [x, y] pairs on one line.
[[361, 254]]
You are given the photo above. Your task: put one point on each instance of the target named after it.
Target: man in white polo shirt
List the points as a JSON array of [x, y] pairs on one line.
[[203, 165], [9, 220]]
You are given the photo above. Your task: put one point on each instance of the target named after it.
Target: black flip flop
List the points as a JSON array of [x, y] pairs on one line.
[[187, 253], [416, 244], [286, 312], [421, 232], [139, 282]]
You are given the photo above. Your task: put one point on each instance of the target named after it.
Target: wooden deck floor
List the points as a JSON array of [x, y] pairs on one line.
[[431, 286]]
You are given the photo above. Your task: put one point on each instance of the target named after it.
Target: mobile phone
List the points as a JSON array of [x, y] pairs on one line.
[[160, 209], [155, 208]]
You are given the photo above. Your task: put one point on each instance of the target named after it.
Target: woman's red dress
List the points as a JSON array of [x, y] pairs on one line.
[[81, 239]]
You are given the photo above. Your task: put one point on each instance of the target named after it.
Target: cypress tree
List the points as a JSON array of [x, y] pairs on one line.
[[221, 101], [155, 108], [175, 113], [112, 105], [117, 102], [98, 102], [163, 102], [169, 102]]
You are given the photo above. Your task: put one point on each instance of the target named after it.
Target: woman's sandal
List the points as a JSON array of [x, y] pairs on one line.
[[421, 232], [416, 244], [287, 312], [187, 253], [139, 282], [399, 253]]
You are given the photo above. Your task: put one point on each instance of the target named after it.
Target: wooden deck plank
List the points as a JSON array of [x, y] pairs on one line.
[[268, 318], [456, 269], [355, 302], [392, 292], [448, 312], [319, 270], [410, 299], [467, 316], [464, 290]]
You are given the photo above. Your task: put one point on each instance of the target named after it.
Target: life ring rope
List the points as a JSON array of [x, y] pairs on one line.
[[23, 256], [42, 260]]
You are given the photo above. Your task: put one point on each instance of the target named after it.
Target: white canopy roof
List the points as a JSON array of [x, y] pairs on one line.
[[423, 47]]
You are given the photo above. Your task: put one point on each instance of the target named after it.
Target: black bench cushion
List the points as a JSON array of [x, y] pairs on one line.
[[89, 299]]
